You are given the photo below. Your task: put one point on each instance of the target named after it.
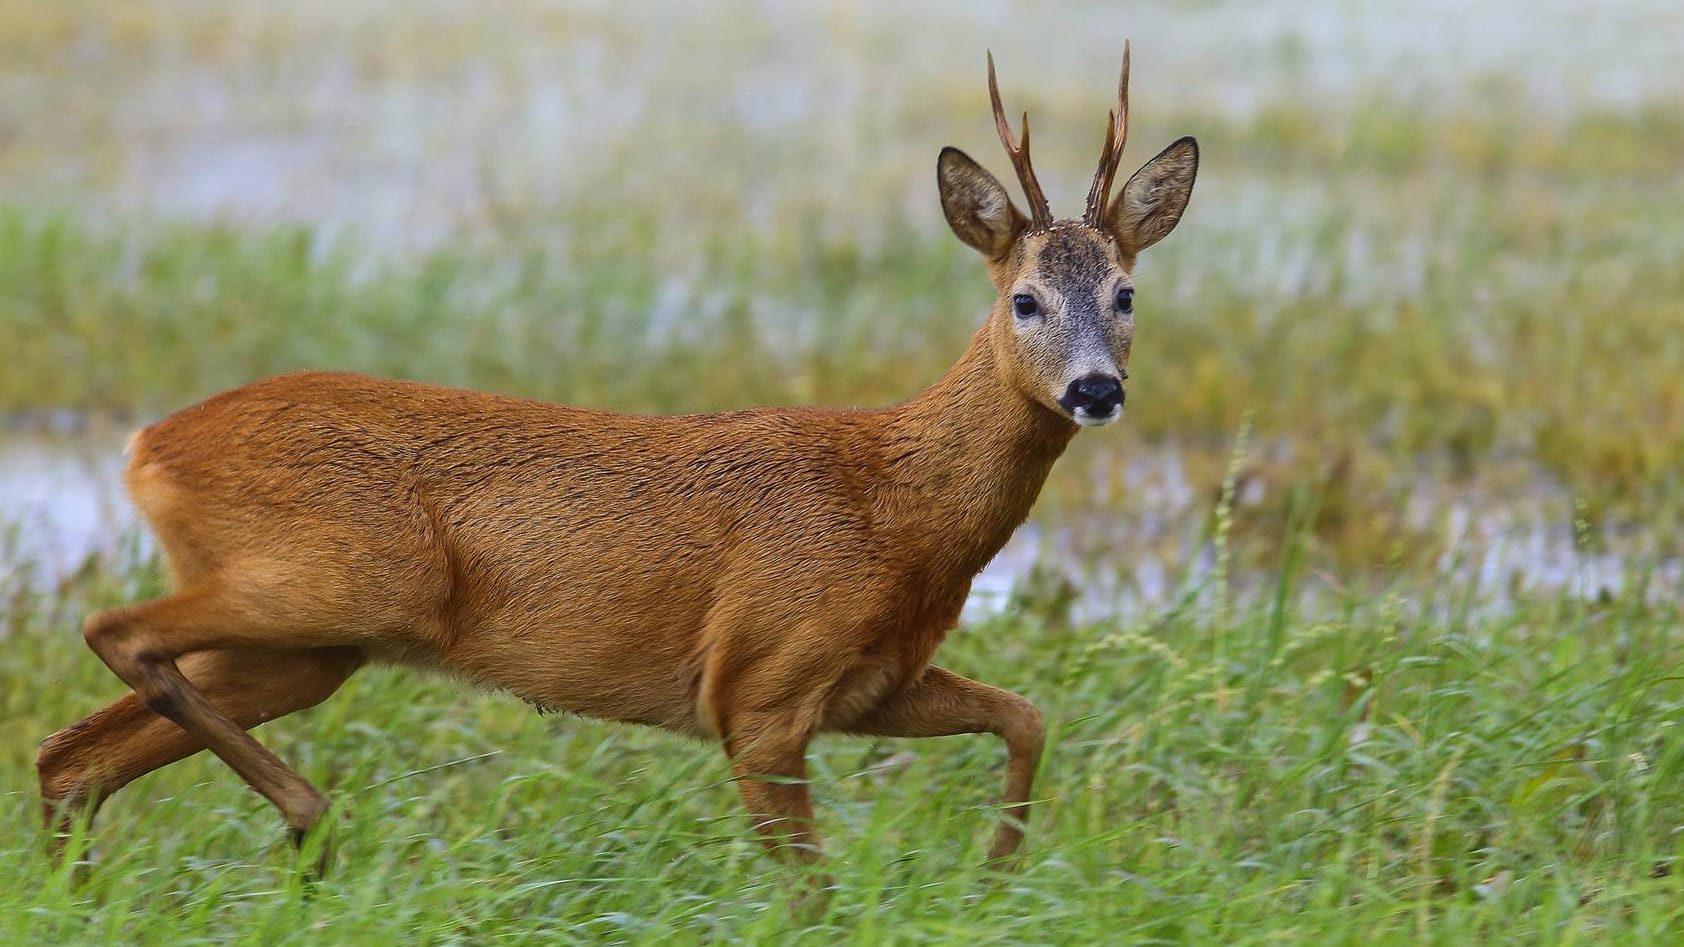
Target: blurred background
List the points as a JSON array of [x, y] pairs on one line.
[[1426, 310]]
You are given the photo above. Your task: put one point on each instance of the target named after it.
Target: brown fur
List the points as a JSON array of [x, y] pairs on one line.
[[755, 577]]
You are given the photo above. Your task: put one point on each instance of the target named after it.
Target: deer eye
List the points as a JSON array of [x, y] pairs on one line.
[[1125, 299], [1024, 305]]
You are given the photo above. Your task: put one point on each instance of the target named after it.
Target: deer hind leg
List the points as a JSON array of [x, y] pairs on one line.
[[140, 643], [83, 764], [941, 703]]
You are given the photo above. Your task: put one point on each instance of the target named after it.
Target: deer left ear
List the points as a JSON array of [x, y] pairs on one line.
[[1151, 203]]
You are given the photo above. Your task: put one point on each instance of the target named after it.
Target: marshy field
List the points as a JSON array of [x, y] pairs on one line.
[[1364, 625]]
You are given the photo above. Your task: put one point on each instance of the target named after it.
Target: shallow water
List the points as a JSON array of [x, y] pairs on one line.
[[61, 498], [61, 502]]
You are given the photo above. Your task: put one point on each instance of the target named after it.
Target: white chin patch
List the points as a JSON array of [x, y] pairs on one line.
[[1096, 420]]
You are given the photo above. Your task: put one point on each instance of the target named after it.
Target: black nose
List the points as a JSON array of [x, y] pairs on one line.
[[1095, 395]]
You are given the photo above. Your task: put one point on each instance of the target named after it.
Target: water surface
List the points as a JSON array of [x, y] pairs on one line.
[[1129, 554]]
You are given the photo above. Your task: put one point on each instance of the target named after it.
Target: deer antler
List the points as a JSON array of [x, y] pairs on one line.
[[1039, 212], [1116, 135]]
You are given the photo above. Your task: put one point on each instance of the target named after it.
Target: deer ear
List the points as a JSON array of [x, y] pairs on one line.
[[977, 207], [1151, 203]]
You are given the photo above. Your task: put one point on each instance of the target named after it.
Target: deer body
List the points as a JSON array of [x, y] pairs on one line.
[[756, 577], [533, 546]]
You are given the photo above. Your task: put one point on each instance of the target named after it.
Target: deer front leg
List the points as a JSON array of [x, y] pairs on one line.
[[940, 703], [769, 761]]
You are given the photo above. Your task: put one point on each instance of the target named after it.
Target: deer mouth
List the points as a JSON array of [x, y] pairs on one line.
[[1087, 418]]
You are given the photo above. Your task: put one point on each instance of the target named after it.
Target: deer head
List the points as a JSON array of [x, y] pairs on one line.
[[1064, 321]]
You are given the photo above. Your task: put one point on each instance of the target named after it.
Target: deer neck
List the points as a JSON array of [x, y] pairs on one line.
[[965, 460]]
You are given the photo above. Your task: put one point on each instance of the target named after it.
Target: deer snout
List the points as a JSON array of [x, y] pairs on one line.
[[1094, 399]]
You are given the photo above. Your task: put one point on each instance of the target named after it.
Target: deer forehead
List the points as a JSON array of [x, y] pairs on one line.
[[1069, 258]]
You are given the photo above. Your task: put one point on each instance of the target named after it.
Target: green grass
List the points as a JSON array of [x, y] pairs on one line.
[[1406, 769]]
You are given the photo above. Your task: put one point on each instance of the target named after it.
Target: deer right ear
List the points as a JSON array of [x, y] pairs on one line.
[[977, 207]]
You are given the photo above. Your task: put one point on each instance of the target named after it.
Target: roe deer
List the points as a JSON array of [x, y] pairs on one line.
[[756, 577]]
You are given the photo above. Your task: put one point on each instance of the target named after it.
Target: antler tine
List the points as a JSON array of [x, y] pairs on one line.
[[1116, 136], [1039, 211]]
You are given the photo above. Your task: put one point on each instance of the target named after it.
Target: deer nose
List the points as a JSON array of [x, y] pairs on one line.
[[1093, 396]]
